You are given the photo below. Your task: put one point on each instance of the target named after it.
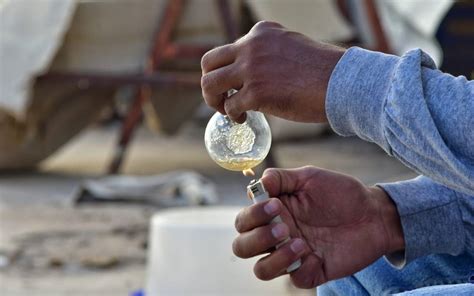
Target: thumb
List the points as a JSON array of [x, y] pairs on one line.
[[285, 181]]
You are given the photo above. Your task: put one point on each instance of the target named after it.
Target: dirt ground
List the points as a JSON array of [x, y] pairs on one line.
[[49, 246]]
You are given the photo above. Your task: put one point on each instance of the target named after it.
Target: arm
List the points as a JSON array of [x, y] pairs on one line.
[[423, 117], [434, 218]]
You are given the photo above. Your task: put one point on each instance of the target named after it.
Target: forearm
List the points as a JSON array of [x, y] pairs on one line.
[[419, 115]]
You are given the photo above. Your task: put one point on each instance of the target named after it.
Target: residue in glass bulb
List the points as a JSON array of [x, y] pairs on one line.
[[239, 163], [240, 138]]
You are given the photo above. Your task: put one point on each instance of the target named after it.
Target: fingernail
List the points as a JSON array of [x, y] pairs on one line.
[[279, 231], [297, 246], [271, 207]]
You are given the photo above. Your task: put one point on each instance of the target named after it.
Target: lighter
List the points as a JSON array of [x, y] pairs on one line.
[[257, 193]]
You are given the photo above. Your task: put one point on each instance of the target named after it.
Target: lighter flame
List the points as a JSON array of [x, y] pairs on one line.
[[248, 173]]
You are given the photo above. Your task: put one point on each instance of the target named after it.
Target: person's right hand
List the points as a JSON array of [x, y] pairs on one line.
[[338, 226], [275, 71]]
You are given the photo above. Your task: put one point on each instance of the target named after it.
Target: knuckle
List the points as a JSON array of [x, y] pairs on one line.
[[261, 272], [238, 224], [266, 24], [250, 71], [302, 282], [211, 101], [309, 170], [245, 67], [256, 90], [205, 61], [206, 81], [299, 284], [255, 42], [255, 45], [232, 109], [204, 95], [208, 99], [236, 248], [232, 116], [251, 90], [261, 24], [270, 172]]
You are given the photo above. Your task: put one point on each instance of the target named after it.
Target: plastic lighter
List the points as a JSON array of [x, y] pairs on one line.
[[257, 193]]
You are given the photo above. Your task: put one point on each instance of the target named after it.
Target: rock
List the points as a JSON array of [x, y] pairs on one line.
[[56, 262], [100, 262]]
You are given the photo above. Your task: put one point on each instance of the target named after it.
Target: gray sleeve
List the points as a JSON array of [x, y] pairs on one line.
[[421, 116], [435, 219]]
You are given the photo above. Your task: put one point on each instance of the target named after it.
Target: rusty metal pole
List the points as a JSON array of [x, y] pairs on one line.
[[164, 48], [230, 25], [162, 36]]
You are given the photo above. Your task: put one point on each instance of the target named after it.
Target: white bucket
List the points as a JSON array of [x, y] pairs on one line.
[[190, 253]]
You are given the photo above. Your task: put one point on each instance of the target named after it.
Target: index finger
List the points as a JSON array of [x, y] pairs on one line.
[[257, 215], [218, 57]]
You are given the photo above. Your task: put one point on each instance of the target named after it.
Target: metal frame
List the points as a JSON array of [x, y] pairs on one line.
[[162, 49]]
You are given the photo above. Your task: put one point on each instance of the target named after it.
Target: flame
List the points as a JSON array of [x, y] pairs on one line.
[[248, 173]]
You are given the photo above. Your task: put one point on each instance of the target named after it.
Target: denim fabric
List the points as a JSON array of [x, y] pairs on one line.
[[429, 275]]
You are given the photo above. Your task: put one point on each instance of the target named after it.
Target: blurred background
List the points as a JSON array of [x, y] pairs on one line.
[[102, 123]]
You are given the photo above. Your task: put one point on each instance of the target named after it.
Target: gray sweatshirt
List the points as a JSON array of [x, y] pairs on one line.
[[424, 118]]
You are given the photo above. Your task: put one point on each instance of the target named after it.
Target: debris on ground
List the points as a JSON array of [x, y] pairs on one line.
[[178, 188]]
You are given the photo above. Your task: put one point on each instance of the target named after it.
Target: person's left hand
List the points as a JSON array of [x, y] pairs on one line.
[[275, 71], [337, 224]]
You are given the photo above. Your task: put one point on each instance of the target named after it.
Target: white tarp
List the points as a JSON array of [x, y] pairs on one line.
[[102, 35], [317, 19], [406, 24], [83, 36], [30, 34], [413, 24]]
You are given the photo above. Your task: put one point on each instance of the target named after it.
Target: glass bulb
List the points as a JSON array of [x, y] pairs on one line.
[[238, 147]]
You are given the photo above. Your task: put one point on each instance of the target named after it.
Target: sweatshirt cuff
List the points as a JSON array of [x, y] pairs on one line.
[[357, 92], [430, 217]]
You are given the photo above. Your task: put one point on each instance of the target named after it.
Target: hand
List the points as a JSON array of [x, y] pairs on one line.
[[338, 226], [275, 71]]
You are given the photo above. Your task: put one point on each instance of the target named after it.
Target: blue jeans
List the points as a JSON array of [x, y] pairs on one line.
[[430, 275]]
